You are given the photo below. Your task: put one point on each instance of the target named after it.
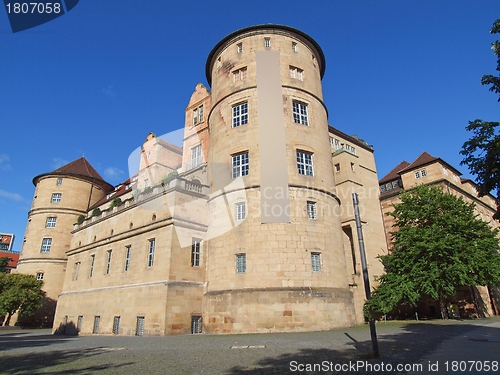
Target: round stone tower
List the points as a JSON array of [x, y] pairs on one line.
[[275, 250], [60, 197]]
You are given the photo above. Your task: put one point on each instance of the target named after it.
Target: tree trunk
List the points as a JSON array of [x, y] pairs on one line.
[[444, 312], [7, 322]]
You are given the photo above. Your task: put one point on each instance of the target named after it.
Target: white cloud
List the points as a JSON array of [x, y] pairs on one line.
[[109, 91], [58, 163], [112, 172], [11, 196], [4, 162]]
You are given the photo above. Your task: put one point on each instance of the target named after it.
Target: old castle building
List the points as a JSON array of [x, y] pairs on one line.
[[427, 169], [248, 226]]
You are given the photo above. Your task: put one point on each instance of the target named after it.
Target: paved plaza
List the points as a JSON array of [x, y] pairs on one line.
[[443, 347]]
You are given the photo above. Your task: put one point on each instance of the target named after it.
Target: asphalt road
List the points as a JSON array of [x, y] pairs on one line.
[[405, 347]]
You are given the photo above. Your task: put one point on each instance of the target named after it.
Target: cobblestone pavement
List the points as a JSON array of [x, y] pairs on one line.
[[406, 343]]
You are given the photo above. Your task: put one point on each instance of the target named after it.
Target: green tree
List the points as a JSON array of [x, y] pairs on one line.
[[3, 263], [482, 151], [439, 247], [20, 293]]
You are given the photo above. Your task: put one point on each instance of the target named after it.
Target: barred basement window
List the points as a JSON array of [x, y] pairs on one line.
[[195, 252], [241, 263], [79, 323], [116, 325], [51, 222], [97, 322], [311, 210], [195, 324], [139, 326], [316, 262]]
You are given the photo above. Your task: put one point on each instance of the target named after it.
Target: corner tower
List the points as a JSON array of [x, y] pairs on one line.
[[281, 265], [60, 197]]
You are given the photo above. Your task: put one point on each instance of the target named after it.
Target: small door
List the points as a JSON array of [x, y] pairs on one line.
[[195, 324], [139, 327]]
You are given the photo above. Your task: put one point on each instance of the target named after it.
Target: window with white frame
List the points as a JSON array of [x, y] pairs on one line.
[[300, 113], [92, 263], [128, 250], [294, 47], [311, 210], [296, 73], [56, 197], [108, 261], [240, 164], [316, 262], [51, 222], [337, 144], [241, 211], [240, 74], [240, 114], [151, 252], [46, 244], [201, 113], [305, 163], [267, 42], [239, 47], [198, 115], [332, 142], [195, 252], [417, 174], [241, 263], [423, 172], [420, 173], [39, 276], [59, 181], [196, 156]]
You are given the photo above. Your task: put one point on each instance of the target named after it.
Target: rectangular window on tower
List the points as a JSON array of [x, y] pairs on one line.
[[240, 114], [151, 253], [305, 163], [300, 113], [240, 164], [195, 252]]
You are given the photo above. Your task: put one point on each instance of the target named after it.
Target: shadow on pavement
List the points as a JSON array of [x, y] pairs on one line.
[[34, 362], [23, 340], [404, 348]]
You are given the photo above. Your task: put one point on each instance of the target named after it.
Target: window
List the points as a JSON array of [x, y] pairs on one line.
[[46, 244], [305, 163], [127, 258], [76, 271], [108, 261], [79, 323], [97, 322], [195, 324], [239, 47], [267, 42], [139, 326], [395, 184], [116, 325], [241, 211], [56, 197], [198, 115], [196, 156], [296, 73], [316, 262], [240, 114], [382, 188], [241, 263], [59, 181], [332, 142], [388, 186], [423, 172], [445, 171], [240, 165], [91, 269], [240, 74], [417, 174], [294, 47], [39, 276], [195, 252], [337, 144], [151, 253], [300, 113], [311, 210], [51, 222], [337, 167]]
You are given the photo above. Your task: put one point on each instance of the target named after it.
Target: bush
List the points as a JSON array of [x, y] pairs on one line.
[[115, 202], [80, 219], [96, 211]]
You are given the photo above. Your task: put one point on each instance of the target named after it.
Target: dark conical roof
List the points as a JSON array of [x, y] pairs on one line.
[[78, 168]]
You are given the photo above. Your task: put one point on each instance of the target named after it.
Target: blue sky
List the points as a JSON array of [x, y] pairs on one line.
[[403, 75]]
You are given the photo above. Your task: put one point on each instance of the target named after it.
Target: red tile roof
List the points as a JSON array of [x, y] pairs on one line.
[[13, 256], [424, 159], [80, 167], [394, 174]]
